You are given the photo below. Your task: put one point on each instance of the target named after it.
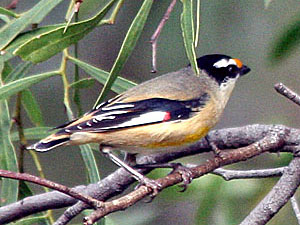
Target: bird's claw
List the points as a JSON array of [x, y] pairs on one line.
[[186, 174], [152, 184]]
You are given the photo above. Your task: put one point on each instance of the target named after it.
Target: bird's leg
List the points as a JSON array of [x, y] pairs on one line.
[[185, 172], [138, 176]]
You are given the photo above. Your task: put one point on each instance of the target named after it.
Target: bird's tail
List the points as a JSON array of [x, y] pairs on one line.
[[50, 142]]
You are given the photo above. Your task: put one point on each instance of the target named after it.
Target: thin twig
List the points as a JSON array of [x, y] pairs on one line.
[[296, 208], [277, 197], [274, 140], [288, 93], [242, 174], [50, 184], [156, 34]]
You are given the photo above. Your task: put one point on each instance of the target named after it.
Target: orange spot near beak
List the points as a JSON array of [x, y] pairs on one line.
[[238, 63]]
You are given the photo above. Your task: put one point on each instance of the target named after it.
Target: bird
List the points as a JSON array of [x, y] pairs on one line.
[[158, 115]]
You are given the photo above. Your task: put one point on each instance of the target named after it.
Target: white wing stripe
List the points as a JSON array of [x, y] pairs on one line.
[[122, 106], [150, 117], [104, 115]]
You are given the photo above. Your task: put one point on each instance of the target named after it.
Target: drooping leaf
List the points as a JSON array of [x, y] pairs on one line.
[[8, 159], [267, 3], [34, 133], [36, 220], [46, 45], [32, 108], [90, 163], [34, 15], [24, 37], [187, 27], [120, 85], [7, 12], [25, 190], [21, 84], [6, 70], [286, 42], [83, 83], [4, 18], [127, 47], [18, 72]]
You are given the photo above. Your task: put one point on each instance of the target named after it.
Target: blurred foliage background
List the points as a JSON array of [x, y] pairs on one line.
[[264, 38]]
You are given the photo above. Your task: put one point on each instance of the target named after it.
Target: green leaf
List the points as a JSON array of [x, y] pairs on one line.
[[286, 42], [6, 70], [210, 201], [20, 71], [24, 37], [4, 18], [34, 15], [267, 3], [127, 47], [120, 85], [8, 159], [36, 220], [25, 190], [7, 12], [35, 133], [90, 163], [44, 46], [83, 83], [21, 84], [187, 27], [32, 108]]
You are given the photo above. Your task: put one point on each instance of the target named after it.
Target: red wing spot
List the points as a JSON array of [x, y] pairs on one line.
[[167, 116]]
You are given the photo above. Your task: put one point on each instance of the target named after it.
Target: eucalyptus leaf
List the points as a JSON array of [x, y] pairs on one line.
[[90, 163], [267, 3], [6, 70], [34, 15], [286, 42], [83, 83], [24, 190], [187, 27], [46, 45], [120, 85], [21, 84], [8, 159], [32, 108], [4, 18], [18, 72], [127, 47], [24, 37], [36, 220], [7, 12], [34, 133]]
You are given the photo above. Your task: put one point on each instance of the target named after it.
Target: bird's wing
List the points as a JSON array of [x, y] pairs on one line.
[[120, 115]]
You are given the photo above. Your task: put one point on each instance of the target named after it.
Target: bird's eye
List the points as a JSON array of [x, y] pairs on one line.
[[232, 69]]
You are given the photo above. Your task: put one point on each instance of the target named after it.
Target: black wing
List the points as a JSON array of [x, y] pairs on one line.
[[124, 115]]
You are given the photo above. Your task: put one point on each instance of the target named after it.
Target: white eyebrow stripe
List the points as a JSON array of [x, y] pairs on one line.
[[224, 63], [117, 107]]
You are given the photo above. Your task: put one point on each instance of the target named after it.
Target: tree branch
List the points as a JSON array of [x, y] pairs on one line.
[[50, 184], [274, 140], [296, 208], [277, 197], [118, 181], [242, 174]]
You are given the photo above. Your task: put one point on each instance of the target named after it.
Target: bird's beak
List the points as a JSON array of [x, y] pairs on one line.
[[244, 70]]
